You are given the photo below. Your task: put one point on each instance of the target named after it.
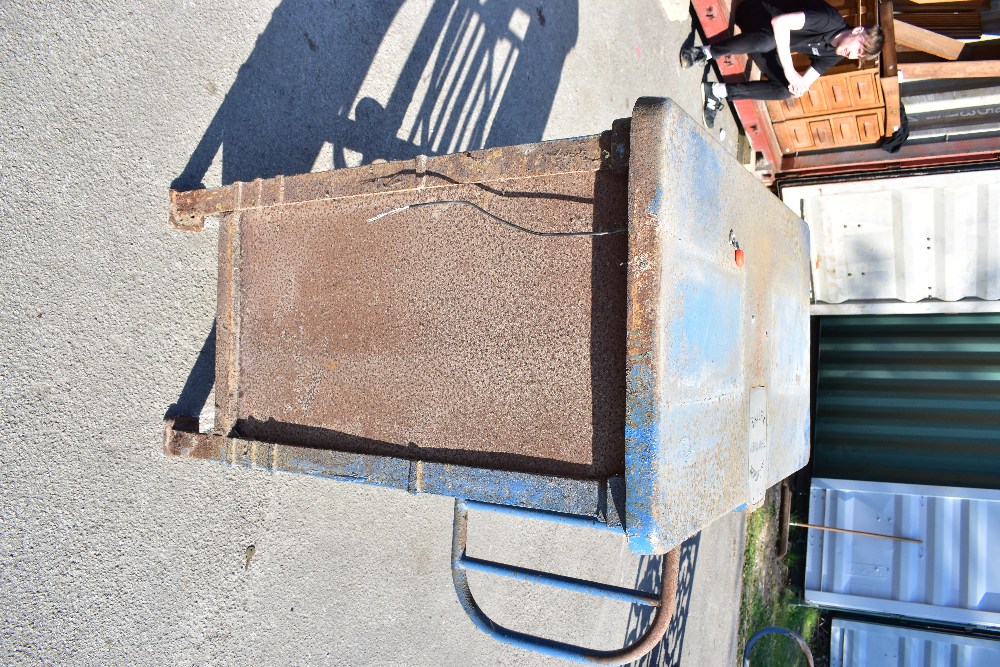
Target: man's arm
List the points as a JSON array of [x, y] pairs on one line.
[[808, 79], [783, 25]]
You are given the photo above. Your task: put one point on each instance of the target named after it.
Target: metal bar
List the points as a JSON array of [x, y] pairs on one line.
[[559, 581], [910, 155], [904, 308], [653, 636], [855, 532], [188, 209], [227, 321], [584, 503], [543, 515], [642, 389], [342, 466]]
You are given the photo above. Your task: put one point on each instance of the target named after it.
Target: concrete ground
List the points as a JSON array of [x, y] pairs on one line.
[[111, 553]]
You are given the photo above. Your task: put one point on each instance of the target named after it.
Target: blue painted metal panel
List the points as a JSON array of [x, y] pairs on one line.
[[703, 330]]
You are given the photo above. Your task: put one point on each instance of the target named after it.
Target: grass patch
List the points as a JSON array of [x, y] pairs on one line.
[[768, 598]]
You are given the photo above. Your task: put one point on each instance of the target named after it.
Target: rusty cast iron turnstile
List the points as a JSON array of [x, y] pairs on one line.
[[405, 325]]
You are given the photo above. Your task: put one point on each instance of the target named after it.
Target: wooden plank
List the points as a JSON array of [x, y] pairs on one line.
[[890, 91], [953, 25], [961, 69], [927, 41], [984, 49], [886, 22]]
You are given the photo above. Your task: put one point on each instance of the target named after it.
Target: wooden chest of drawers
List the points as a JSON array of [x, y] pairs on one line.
[[839, 110]]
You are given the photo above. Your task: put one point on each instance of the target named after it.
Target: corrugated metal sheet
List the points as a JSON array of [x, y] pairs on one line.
[[952, 576], [913, 398], [905, 238], [857, 644]]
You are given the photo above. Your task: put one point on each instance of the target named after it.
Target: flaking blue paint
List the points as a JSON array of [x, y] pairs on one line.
[[575, 520], [642, 434], [555, 494], [375, 471], [654, 204], [584, 498]]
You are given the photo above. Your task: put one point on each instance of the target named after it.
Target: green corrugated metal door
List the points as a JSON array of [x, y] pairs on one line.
[[910, 398]]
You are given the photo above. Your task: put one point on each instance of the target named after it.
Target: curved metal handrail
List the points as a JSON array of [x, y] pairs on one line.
[[653, 635]]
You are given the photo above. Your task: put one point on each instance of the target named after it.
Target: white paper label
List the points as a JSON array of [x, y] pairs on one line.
[[757, 479]]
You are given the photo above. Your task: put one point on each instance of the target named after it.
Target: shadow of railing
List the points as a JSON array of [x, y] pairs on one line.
[[310, 97], [477, 75], [668, 651]]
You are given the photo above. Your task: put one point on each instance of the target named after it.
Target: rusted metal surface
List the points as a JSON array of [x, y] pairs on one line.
[[189, 209], [337, 332], [705, 332], [714, 15], [185, 441], [599, 500], [227, 322], [643, 392], [436, 350], [437, 334]]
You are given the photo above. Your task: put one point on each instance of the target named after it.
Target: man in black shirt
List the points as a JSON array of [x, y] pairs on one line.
[[771, 31]]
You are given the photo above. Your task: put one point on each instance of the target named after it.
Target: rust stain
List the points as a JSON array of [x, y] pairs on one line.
[[454, 338], [189, 208], [420, 476], [636, 315]]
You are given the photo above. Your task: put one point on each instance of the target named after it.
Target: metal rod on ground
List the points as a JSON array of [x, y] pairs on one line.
[[856, 532]]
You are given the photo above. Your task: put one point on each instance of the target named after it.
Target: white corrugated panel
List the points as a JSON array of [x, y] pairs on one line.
[[856, 644], [952, 575], [907, 238]]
